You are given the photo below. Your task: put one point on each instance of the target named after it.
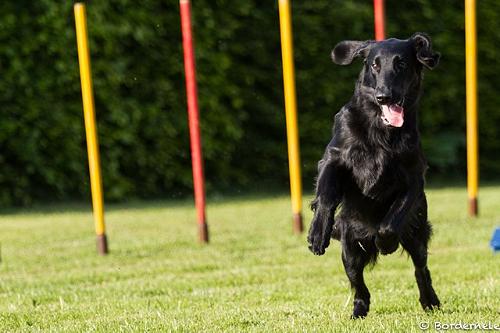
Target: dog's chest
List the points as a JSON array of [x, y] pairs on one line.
[[373, 171]]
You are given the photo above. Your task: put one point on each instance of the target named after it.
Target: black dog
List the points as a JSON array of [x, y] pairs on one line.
[[374, 166]]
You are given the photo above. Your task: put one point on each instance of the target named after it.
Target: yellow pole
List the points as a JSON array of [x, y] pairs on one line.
[[471, 92], [90, 126], [291, 113]]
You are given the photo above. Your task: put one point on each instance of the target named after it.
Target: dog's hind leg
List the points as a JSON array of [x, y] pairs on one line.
[[428, 298], [415, 243], [355, 256]]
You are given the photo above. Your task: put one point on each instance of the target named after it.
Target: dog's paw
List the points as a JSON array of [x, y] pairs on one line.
[[386, 240], [386, 231], [319, 239], [318, 243], [431, 303], [360, 309]]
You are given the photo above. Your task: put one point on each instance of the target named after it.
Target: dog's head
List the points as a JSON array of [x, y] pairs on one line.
[[392, 68]]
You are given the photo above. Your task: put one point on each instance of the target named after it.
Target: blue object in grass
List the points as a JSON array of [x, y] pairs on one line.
[[495, 240]]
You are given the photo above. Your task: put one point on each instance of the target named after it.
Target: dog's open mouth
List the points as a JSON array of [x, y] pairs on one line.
[[392, 114]]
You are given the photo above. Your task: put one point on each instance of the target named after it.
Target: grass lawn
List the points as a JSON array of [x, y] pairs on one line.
[[254, 276]]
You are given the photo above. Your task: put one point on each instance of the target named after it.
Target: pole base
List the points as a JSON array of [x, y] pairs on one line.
[[102, 244], [298, 226], [473, 210], [203, 233]]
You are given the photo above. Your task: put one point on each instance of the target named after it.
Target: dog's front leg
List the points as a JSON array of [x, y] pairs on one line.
[[324, 205], [387, 239]]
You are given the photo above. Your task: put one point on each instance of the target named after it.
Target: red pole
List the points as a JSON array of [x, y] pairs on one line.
[[378, 11], [194, 129]]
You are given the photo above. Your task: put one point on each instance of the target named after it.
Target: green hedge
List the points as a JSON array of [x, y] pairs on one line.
[[140, 98]]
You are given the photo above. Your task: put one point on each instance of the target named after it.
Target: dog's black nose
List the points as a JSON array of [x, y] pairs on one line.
[[383, 98]]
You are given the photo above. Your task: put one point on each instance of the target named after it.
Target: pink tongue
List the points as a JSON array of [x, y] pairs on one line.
[[393, 114]]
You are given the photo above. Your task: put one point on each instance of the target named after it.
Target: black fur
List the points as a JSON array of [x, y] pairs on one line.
[[375, 172]]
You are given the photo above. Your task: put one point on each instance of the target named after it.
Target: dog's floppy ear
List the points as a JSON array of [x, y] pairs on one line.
[[344, 52], [423, 50]]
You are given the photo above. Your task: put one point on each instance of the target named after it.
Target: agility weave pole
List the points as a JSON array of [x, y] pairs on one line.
[[90, 127], [471, 93], [193, 115], [291, 114], [379, 16]]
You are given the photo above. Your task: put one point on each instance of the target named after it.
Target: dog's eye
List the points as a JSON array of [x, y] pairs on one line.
[[375, 67], [401, 65]]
